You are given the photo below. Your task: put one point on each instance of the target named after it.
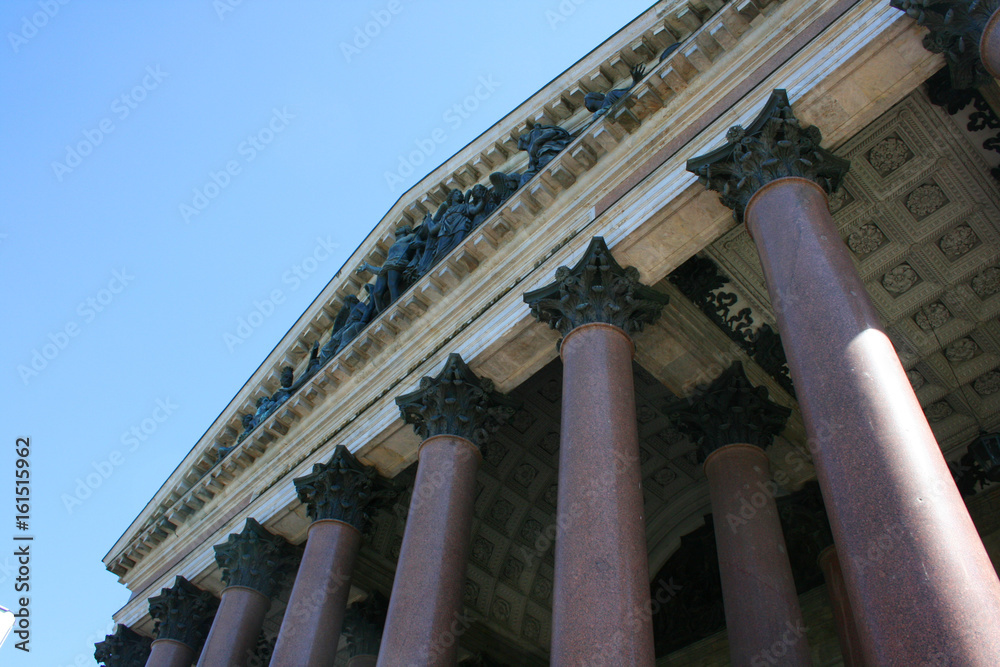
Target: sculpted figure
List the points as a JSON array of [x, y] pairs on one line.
[[391, 280], [542, 144], [455, 224], [504, 186], [599, 103], [339, 322], [359, 316], [423, 253], [287, 380], [314, 363], [481, 203], [248, 424]]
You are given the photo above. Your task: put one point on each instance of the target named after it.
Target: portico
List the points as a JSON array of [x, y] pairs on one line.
[[855, 291]]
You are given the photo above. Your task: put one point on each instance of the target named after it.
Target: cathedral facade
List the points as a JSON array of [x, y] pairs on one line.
[[691, 359]]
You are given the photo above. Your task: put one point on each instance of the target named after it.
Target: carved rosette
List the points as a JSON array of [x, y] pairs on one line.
[[597, 289], [456, 402], [363, 624], [125, 648], [255, 558], [729, 411], [955, 26], [183, 613], [343, 489], [774, 146]]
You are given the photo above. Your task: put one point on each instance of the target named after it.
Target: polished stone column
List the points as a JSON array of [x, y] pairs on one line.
[[363, 627], [843, 616], [600, 609], [989, 44], [733, 422], [125, 648], [338, 495], [919, 580], [253, 563], [183, 615], [967, 32], [451, 412]]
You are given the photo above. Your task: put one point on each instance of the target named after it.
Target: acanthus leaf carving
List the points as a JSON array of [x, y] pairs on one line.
[[343, 489], [774, 146], [255, 558], [596, 289], [456, 402]]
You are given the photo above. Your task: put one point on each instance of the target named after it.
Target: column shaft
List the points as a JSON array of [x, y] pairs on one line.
[[919, 579], [423, 623], [763, 618], [601, 589], [235, 629], [170, 653], [843, 615], [989, 45], [310, 630]]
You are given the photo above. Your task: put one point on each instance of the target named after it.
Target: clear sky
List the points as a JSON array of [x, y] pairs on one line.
[[129, 254]]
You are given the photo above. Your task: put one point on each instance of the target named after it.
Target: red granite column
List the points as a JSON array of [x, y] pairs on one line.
[[423, 622], [843, 616], [920, 582], [337, 495], [600, 604], [763, 618], [182, 614], [236, 626], [989, 45], [253, 563], [733, 421], [601, 587], [170, 653]]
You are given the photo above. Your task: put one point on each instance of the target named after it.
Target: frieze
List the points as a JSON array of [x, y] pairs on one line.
[[677, 47], [955, 28], [981, 116], [701, 281]]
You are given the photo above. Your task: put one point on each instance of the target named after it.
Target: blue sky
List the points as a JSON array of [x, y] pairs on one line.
[[167, 168]]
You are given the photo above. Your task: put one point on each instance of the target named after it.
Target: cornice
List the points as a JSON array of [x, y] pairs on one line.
[[490, 293], [655, 226], [200, 476]]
